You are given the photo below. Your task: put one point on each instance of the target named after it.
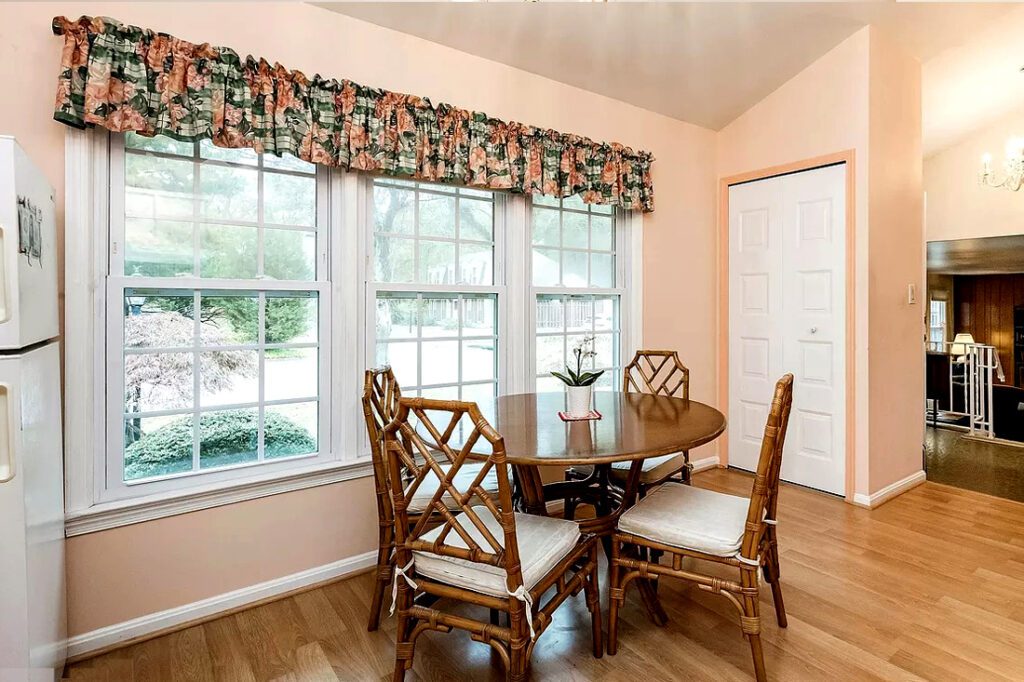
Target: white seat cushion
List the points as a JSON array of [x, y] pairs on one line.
[[467, 474], [688, 517], [543, 542], [654, 468]]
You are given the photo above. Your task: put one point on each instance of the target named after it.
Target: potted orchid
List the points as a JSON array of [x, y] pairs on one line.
[[579, 384]]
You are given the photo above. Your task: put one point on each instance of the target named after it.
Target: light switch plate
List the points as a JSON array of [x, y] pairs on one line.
[[911, 294]]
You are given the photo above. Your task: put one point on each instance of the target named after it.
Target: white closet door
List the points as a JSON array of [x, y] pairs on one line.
[[787, 313]]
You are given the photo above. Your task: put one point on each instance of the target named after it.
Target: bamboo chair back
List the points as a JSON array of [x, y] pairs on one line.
[[415, 445], [381, 393], [765, 496], [660, 372]]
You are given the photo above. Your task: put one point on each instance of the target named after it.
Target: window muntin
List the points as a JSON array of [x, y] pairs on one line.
[[434, 292], [573, 243], [432, 234], [218, 312], [563, 322]]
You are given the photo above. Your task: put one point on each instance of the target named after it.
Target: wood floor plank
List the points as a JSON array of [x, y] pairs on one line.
[[928, 586]]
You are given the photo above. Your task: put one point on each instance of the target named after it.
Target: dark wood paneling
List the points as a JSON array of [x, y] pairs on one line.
[[983, 306]]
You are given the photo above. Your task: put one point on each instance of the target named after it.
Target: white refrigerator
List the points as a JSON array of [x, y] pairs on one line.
[[33, 628]]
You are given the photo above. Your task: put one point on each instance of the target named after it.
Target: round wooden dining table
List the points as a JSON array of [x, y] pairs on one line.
[[632, 428]]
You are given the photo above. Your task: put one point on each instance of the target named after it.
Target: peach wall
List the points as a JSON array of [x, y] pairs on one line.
[[820, 111], [896, 253], [132, 571], [959, 207], [864, 95]]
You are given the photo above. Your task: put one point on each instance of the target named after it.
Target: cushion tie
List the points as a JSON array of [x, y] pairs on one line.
[[771, 522], [522, 595], [399, 571]]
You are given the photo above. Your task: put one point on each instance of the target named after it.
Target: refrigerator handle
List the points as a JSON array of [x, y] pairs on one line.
[[7, 454], [5, 309]]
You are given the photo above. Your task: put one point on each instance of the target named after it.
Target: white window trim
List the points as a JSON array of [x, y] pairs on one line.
[[87, 169], [86, 249]]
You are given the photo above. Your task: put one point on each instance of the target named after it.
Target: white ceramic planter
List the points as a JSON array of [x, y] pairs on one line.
[[578, 400]]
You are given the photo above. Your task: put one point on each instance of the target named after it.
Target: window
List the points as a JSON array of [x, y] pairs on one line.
[[937, 325], [434, 289], [577, 288], [218, 313]]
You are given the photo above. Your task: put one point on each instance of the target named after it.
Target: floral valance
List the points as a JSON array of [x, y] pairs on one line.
[[126, 78]]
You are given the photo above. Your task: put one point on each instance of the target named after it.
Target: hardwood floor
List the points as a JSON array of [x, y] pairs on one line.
[[928, 586]]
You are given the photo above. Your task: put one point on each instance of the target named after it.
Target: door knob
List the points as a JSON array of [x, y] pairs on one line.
[[814, 330]]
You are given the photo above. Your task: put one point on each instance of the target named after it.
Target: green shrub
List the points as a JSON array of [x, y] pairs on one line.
[[225, 438]]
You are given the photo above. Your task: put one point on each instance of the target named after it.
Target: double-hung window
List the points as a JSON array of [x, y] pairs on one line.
[[218, 314], [578, 288], [434, 286]]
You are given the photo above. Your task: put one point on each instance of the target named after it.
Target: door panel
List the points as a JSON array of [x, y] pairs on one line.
[[787, 313]]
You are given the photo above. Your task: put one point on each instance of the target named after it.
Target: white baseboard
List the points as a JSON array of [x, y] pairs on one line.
[[890, 491], [106, 637], [706, 463]]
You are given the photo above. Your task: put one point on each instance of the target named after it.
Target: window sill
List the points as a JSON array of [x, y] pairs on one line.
[[109, 515]]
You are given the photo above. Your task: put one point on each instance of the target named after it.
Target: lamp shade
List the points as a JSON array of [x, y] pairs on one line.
[[959, 346]]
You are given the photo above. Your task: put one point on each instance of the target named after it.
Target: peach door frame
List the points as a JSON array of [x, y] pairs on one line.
[[848, 157]]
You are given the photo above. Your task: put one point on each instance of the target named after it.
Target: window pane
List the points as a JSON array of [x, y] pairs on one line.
[[246, 157], [291, 430], [289, 254], [574, 268], [291, 318], [443, 365], [545, 267], [393, 210], [604, 346], [437, 216], [157, 381], [157, 186], [550, 354], [478, 316], [475, 264], [291, 373], [228, 251], [579, 313], [601, 233], [478, 360], [574, 230], [158, 143], [229, 318], [549, 314], [601, 272], [545, 200], [403, 360], [476, 220], [228, 437], [437, 262], [157, 446], [604, 314], [289, 163], [397, 317], [394, 258], [289, 199], [574, 201], [228, 192], [157, 248], [154, 320], [228, 378], [545, 227], [439, 316]]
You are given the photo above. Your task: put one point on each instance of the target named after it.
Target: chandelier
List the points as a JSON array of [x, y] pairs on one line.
[[1013, 167]]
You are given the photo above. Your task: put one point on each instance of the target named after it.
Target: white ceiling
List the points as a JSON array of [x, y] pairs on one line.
[[970, 86], [705, 63]]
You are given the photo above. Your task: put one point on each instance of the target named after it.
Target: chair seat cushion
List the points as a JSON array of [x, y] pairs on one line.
[[543, 542], [690, 518], [654, 468], [467, 474]]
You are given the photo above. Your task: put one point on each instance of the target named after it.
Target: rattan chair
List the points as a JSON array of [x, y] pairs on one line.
[[687, 522], [381, 393], [659, 372], [483, 552]]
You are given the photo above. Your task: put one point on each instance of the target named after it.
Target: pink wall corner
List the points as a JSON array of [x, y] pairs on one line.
[[896, 213]]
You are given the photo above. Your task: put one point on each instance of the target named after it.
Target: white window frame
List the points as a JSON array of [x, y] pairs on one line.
[[498, 289], [92, 296], [349, 240]]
